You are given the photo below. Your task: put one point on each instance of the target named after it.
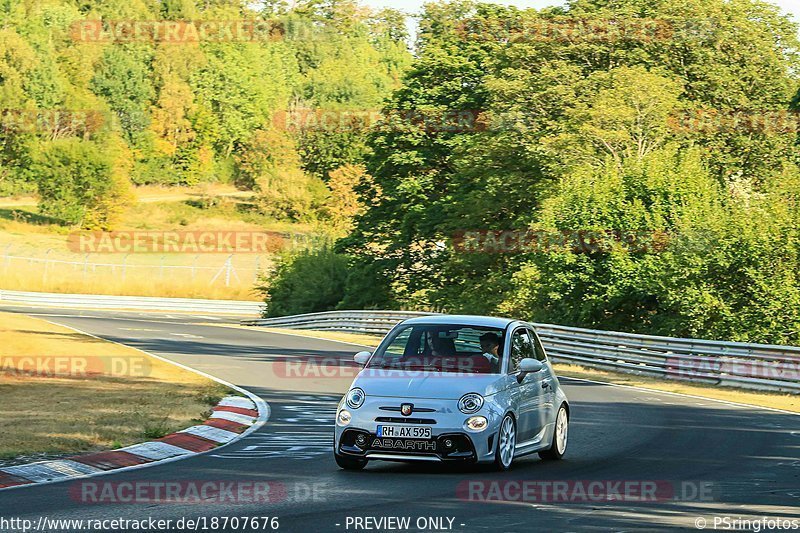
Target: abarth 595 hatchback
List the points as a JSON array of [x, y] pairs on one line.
[[453, 389]]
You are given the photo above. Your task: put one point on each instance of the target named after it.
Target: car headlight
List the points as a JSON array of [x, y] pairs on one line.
[[477, 423], [355, 398], [470, 403], [344, 417]]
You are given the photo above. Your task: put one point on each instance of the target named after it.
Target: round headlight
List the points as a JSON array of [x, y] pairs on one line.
[[477, 423], [470, 403], [344, 417], [355, 398]]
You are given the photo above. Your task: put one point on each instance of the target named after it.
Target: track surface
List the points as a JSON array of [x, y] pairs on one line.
[[749, 458]]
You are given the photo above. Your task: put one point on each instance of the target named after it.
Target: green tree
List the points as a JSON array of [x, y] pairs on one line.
[[82, 182]]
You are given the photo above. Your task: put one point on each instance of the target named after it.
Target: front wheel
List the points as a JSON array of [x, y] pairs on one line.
[[506, 444], [559, 445], [349, 463]]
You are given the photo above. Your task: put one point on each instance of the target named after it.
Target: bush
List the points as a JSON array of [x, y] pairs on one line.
[[306, 282], [727, 269], [13, 184]]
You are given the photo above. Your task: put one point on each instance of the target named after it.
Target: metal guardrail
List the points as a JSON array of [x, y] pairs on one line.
[[376, 322], [733, 364], [94, 301]]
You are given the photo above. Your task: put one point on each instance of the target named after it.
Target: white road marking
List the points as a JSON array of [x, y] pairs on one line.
[[284, 445], [187, 335], [303, 431], [62, 316]]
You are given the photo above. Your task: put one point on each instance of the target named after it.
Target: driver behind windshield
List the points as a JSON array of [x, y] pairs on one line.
[[490, 345]]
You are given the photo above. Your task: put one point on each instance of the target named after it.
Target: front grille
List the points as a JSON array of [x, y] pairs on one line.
[[416, 409], [405, 420], [448, 447]]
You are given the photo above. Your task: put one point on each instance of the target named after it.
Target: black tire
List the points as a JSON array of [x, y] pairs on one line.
[[557, 450], [501, 461], [350, 463]]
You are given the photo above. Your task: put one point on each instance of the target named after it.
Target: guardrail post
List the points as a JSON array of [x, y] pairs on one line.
[[257, 268], [46, 265], [7, 259], [228, 270], [125, 266]]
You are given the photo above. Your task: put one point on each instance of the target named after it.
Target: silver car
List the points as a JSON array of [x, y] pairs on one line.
[[453, 389]]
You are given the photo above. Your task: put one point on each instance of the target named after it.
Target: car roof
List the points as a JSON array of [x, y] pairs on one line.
[[462, 320]]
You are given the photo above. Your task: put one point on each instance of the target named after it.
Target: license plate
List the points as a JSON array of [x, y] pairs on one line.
[[405, 432]]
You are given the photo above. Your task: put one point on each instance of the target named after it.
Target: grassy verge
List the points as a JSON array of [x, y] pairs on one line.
[[64, 392], [787, 402]]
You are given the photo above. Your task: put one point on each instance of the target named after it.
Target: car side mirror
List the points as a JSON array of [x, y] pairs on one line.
[[361, 358], [528, 366]]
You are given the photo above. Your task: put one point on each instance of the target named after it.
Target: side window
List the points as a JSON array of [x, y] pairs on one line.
[[538, 348], [521, 348]]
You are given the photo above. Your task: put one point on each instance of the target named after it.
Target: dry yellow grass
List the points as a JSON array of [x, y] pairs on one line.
[[64, 392], [26, 234], [787, 402], [140, 280]]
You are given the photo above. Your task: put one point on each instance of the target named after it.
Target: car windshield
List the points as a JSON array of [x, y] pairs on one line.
[[442, 348]]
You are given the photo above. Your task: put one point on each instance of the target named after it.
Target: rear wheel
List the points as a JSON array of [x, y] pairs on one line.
[[559, 445], [506, 444], [349, 463]]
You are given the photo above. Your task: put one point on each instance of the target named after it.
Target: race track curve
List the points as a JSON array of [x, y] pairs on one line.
[[745, 460]]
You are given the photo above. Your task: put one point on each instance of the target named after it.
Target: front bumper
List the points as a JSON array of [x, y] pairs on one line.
[[450, 442]]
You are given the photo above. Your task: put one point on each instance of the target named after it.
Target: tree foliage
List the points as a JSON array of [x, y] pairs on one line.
[[197, 110], [591, 133]]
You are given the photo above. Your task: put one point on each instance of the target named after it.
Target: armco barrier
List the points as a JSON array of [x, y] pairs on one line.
[[94, 301], [753, 366]]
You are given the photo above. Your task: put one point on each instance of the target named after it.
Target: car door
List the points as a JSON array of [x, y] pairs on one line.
[[528, 392], [547, 381]]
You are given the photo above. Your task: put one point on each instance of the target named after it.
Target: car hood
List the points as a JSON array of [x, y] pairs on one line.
[[432, 385]]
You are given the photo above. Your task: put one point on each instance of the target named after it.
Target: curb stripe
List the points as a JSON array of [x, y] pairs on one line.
[[111, 460], [237, 401], [238, 410], [227, 425], [155, 451], [190, 443], [210, 433], [7, 480], [50, 470], [233, 417]]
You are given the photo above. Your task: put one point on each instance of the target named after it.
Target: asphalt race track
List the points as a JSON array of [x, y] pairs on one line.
[[747, 461]]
